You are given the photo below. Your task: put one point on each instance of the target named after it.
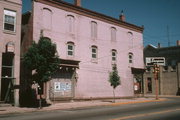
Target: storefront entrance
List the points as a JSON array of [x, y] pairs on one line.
[[7, 78], [62, 85]]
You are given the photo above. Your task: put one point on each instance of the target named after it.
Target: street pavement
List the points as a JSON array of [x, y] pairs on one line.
[[77, 104]]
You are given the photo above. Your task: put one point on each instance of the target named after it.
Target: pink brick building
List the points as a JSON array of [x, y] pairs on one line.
[[10, 37], [88, 43]]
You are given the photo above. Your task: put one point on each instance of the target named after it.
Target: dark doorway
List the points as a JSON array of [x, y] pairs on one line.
[[7, 77]]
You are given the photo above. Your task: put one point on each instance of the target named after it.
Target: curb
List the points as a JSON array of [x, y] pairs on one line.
[[79, 107], [134, 102]]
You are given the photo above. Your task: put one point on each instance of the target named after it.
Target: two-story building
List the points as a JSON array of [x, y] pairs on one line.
[[89, 44], [10, 36]]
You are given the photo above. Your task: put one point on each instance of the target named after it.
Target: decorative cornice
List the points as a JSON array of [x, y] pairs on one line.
[[92, 14]]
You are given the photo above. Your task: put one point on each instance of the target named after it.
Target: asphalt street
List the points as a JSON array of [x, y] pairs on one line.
[[164, 110]]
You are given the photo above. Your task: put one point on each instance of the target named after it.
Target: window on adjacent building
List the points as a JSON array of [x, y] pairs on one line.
[[70, 49], [70, 20], [114, 55], [47, 18], [113, 34], [9, 20], [130, 57], [94, 52], [93, 30]]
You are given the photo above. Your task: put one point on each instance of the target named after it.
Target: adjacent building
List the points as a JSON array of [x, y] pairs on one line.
[[89, 44], [10, 36], [169, 74]]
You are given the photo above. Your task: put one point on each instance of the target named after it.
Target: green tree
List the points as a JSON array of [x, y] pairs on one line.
[[114, 79], [42, 59]]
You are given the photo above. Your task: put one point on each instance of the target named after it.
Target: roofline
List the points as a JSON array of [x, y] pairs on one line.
[[89, 13]]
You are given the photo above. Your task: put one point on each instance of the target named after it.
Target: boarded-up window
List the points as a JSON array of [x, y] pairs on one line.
[[47, 18]]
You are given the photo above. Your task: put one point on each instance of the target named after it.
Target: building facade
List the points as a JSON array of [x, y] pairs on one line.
[[168, 76], [10, 32], [89, 44]]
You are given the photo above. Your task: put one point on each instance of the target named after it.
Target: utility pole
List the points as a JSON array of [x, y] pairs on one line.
[[156, 75]]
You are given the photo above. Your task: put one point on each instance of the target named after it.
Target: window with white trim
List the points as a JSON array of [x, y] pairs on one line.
[[70, 49], [113, 34], [114, 55], [93, 30], [9, 20], [94, 52]]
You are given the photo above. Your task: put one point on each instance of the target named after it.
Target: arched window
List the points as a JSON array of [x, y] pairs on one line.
[[114, 55], [94, 51], [130, 57], [70, 49], [47, 18], [113, 34], [130, 39], [93, 30], [70, 20]]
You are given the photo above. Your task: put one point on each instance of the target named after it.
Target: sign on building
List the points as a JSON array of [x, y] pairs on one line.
[[150, 61]]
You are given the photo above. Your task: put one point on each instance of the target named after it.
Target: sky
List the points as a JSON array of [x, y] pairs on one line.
[[160, 18]]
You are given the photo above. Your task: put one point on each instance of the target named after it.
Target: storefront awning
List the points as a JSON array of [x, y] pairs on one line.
[[69, 63], [137, 70]]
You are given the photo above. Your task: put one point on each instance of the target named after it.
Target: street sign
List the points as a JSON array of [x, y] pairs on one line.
[[150, 61]]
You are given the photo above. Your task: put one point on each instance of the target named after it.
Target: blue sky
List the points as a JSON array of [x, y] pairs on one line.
[[155, 15]]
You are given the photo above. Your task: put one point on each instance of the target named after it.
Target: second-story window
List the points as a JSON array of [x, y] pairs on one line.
[[70, 49], [93, 30], [9, 20], [94, 52], [70, 20], [114, 55], [113, 34]]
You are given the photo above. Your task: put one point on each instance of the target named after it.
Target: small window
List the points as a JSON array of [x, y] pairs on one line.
[[9, 20], [113, 34], [93, 30], [114, 55], [70, 49], [130, 57], [94, 52], [70, 20]]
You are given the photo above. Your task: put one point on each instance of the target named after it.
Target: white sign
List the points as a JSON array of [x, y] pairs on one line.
[[155, 60], [57, 87]]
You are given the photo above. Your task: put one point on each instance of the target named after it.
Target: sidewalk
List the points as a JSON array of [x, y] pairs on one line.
[[78, 104]]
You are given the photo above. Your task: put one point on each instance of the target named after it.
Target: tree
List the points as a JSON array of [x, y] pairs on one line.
[[114, 79], [42, 59]]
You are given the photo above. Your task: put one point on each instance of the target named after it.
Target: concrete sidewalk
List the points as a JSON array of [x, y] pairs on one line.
[[77, 104]]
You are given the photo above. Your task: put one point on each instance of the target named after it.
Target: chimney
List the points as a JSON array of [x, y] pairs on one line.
[[159, 45], [122, 17], [77, 3], [178, 42]]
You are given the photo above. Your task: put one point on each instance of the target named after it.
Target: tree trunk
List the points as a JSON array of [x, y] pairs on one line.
[[114, 95]]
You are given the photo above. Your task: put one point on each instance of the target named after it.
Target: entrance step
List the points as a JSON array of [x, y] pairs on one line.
[[3, 104]]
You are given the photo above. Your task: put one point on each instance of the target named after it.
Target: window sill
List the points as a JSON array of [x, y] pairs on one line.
[[9, 32], [94, 60]]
